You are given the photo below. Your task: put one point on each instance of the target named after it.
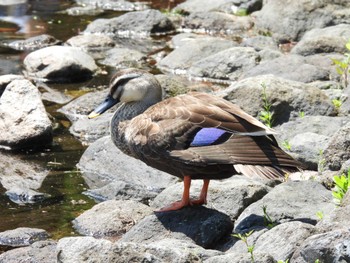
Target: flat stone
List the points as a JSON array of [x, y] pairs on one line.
[[22, 236]]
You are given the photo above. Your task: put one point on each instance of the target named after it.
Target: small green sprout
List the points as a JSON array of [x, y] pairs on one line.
[[341, 187], [343, 66], [337, 103], [320, 215], [286, 145], [266, 115], [244, 238], [301, 114], [267, 219]]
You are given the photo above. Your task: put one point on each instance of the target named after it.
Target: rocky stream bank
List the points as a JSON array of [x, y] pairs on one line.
[[232, 48]]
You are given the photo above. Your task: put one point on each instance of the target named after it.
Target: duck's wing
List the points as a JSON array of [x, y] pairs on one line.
[[200, 130]]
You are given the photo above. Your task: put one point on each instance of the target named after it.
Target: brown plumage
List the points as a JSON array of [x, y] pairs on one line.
[[192, 136]]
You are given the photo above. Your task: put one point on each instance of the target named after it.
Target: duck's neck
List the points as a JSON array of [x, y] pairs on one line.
[[120, 121]]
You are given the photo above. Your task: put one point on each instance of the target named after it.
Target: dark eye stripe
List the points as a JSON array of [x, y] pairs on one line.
[[117, 83]]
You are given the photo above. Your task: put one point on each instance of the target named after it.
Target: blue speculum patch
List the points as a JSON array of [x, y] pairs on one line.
[[208, 136]]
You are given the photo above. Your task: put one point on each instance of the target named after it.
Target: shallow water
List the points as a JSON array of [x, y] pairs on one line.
[[64, 184]]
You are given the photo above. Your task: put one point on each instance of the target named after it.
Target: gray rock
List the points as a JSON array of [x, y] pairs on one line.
[[84, 249], [7, 79], [227, 65], [173, 85], [54, 95], [134, 24], [21, 180], [338, 150], [120, 190], [90, 130], [287, 97], [102, 163], [91, 43], [22, 236], [166, 250], [40, 251], [121, 58], [34, 43], [307, 148], [205, 227], [83, 105], [120, 5], [217, 23], [296, 201], [332, 246], [292, 67], [242, 258], [323, 40], [192, 6], [60, 64], [230, 196], [180, 59], [83, 11], [260, 43], [291, 23], [23, 118], [114, 218], [282, 240]]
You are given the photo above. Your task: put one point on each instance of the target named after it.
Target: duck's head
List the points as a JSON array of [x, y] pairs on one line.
[[130, 85]]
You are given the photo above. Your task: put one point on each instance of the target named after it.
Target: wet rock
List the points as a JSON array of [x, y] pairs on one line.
[[83, 249], [227, 65], [180, 59], [21, 180], [230, 196], [297, 201], [60, 64], [332, 246], [91, 43], [54, 95], [291, 23], [40, 251], [120, 5], [22, 236], [83, 11], [217, 23], [7, 79], [287, 97], [34, 43], [23, 118], [282, 240], [90, 130], [173, 85], [102, 163], [229, 6], [338, 150], [133, 24], [203, 226], [83, 105], [292, 67], [323, 40], [122, 58], [114, 218]]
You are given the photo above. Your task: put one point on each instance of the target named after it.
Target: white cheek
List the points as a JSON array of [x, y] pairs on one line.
[[130, 95]]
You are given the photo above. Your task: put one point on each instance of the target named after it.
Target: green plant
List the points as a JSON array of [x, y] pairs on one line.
[[282, 261], [343, 66], [266, 115], [244, 238], [301, 114], [320, 215], [337, 103], [267, 219], [286, 145], [341, 186]]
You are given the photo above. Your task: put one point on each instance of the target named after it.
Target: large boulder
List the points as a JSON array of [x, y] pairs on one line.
[[23, 118], [288, 98], [286, 24], [133, 24], [60, 64]]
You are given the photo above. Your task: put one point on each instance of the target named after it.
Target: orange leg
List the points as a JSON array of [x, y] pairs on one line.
[[185, 201], [203, 195]]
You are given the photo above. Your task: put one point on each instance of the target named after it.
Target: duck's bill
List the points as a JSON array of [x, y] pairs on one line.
[[104, 106]]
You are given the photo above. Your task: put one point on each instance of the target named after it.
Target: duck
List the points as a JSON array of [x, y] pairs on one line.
[[194, 136]]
